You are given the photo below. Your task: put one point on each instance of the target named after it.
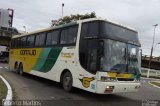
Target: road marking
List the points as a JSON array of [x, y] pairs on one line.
[[6, 67], [9, 93], [153, 84]]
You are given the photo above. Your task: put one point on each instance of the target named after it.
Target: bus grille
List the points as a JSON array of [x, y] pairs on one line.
[[125, 79]]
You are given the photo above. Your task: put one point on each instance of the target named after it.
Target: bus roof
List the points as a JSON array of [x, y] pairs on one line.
[[74, 23], [110, 21]]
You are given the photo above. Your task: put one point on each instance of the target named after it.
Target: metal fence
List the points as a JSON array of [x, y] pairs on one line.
[[150, 72]]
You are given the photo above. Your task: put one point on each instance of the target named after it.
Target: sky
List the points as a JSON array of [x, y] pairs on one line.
[[139, 14]]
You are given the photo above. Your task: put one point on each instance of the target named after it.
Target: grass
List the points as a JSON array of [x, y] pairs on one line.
[[3, 90], [156, 83]]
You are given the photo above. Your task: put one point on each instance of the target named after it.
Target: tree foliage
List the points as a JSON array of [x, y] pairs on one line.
[[71, 18]]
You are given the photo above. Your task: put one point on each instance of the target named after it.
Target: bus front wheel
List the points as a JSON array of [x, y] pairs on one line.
[[67, 81]]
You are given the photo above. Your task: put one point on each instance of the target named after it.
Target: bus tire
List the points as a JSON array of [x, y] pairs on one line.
[[16, 67], [21, 70], [67, 81]]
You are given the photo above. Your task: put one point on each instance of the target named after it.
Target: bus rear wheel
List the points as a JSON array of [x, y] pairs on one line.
[[67, 81], [21, 70], [16, 67]]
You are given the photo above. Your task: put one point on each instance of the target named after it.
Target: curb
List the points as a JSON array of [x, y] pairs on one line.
[[9, 93], [153, 84]]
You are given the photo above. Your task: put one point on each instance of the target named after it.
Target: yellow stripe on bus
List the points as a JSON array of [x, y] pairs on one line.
[[121, 75]]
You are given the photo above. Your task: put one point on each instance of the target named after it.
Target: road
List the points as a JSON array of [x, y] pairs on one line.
[[50, 93]]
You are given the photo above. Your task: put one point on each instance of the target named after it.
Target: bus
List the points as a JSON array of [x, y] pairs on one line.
[[96, 55]]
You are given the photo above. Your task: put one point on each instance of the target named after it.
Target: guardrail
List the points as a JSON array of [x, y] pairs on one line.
[[150, 72]]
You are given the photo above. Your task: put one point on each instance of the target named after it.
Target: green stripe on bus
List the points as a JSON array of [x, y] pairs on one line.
[[47, 59], [42, 58], [51, 59]]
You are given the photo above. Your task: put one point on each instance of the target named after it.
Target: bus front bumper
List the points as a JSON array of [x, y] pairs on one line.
[[117, 87]]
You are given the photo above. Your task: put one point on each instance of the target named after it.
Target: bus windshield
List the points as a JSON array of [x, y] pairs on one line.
[[119, 57], [114, 58], [133, 53], [119, 53]]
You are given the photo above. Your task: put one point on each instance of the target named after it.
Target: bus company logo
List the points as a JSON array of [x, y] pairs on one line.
[[67, 55], [86, 81], [28, 52]]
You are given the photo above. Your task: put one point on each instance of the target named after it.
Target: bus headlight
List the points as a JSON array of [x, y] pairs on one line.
[[108, 79]]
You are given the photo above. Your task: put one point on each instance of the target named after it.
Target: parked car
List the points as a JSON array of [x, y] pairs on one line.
[[4, 56]]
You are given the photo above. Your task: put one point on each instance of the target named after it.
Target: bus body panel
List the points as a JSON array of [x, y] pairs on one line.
[[118, 87]]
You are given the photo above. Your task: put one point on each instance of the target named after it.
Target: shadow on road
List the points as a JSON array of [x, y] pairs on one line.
[[85, 94]]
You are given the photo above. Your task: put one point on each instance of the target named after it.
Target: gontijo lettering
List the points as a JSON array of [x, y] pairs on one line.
[[27, 52]]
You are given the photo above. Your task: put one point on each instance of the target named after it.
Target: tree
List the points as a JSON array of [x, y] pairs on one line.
[[71, 18]]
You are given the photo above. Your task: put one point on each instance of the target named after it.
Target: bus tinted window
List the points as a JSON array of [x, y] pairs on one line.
[[12, 43], [90, 29], [23, 42], [102, 29], [117, 32], [68, 36], [30, 40], [40, 39], [52, 38], [17, 42]]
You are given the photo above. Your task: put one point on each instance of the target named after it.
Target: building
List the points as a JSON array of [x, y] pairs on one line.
[[6, 29], [6, 17]]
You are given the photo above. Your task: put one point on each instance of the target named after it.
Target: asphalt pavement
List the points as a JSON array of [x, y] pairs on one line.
[[50, 93]]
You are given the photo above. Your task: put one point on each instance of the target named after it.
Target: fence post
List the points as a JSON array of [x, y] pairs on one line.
[[148, 73]]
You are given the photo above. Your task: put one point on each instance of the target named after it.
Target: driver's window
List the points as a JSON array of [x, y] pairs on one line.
[[92, 55]]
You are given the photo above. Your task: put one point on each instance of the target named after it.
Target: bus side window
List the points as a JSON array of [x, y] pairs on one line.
[[92, 55], [23, 42], [88, 53], [12, 43], [72, 32], [40, 39], [30, 41], [90, 29], [69, 35], [52, 38], [18, 42], [63, 37]]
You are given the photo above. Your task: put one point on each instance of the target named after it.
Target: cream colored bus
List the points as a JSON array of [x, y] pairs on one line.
[[95, 55]]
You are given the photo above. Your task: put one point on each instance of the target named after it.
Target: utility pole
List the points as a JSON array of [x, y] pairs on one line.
[[62, 9], [150, 59], [25, 29]]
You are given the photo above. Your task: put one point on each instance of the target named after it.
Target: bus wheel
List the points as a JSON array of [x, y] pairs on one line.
[[16, 68], [67, 81], [21, 70]]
